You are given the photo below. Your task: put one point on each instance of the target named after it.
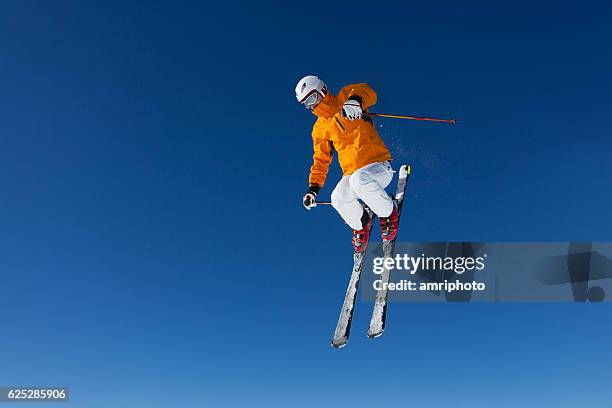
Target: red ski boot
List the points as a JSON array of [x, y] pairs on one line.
[[388, 225], [362, 236]]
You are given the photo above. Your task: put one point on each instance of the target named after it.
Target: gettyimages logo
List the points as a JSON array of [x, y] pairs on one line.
[[490, 272], [447, 268], [413, 264], [428, 264]]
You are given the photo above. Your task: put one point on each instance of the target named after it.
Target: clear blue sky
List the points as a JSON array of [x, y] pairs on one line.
[[155, 251]]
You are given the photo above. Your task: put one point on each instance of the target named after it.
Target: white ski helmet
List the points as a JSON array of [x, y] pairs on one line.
[[310, 90]]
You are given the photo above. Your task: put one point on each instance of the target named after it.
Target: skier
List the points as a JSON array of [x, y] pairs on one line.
[[341, 126]]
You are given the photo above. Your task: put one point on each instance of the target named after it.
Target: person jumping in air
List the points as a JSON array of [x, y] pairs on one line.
[[341, 126]]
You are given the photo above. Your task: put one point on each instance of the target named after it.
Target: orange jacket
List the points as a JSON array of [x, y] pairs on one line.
[[357, 142]]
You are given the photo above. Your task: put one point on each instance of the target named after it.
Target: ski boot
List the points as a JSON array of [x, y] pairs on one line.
[[389, 225], [362, 236]]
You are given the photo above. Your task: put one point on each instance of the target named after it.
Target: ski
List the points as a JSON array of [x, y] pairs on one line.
[[343, 327], [379, 313]]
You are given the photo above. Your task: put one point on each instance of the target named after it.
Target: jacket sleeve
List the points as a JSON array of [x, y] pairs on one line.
[[362, 92], [322, 157]]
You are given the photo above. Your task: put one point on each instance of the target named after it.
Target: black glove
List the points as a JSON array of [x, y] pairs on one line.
[[310, 198]]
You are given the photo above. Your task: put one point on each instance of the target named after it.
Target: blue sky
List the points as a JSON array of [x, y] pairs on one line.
[[155, 251]]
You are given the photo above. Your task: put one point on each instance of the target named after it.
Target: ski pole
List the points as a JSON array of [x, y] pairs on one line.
[[323, 203], [386, 115]]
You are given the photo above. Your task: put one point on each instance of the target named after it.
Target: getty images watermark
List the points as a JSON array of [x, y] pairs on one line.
[[490, 272], [428, 264]]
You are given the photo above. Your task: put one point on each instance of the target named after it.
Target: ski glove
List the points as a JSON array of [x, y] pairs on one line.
[[310, 198], [352, 109]]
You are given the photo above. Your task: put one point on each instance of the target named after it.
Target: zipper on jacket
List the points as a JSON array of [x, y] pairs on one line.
[[339, 124]]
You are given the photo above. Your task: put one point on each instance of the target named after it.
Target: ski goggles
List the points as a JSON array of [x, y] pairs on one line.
[[311, 100]]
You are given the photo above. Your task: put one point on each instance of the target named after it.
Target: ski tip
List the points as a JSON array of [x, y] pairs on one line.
[[404, 171], [375, 334], [339, 343]]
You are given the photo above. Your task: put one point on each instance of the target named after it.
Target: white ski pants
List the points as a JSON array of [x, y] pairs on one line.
[[367, 184]]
